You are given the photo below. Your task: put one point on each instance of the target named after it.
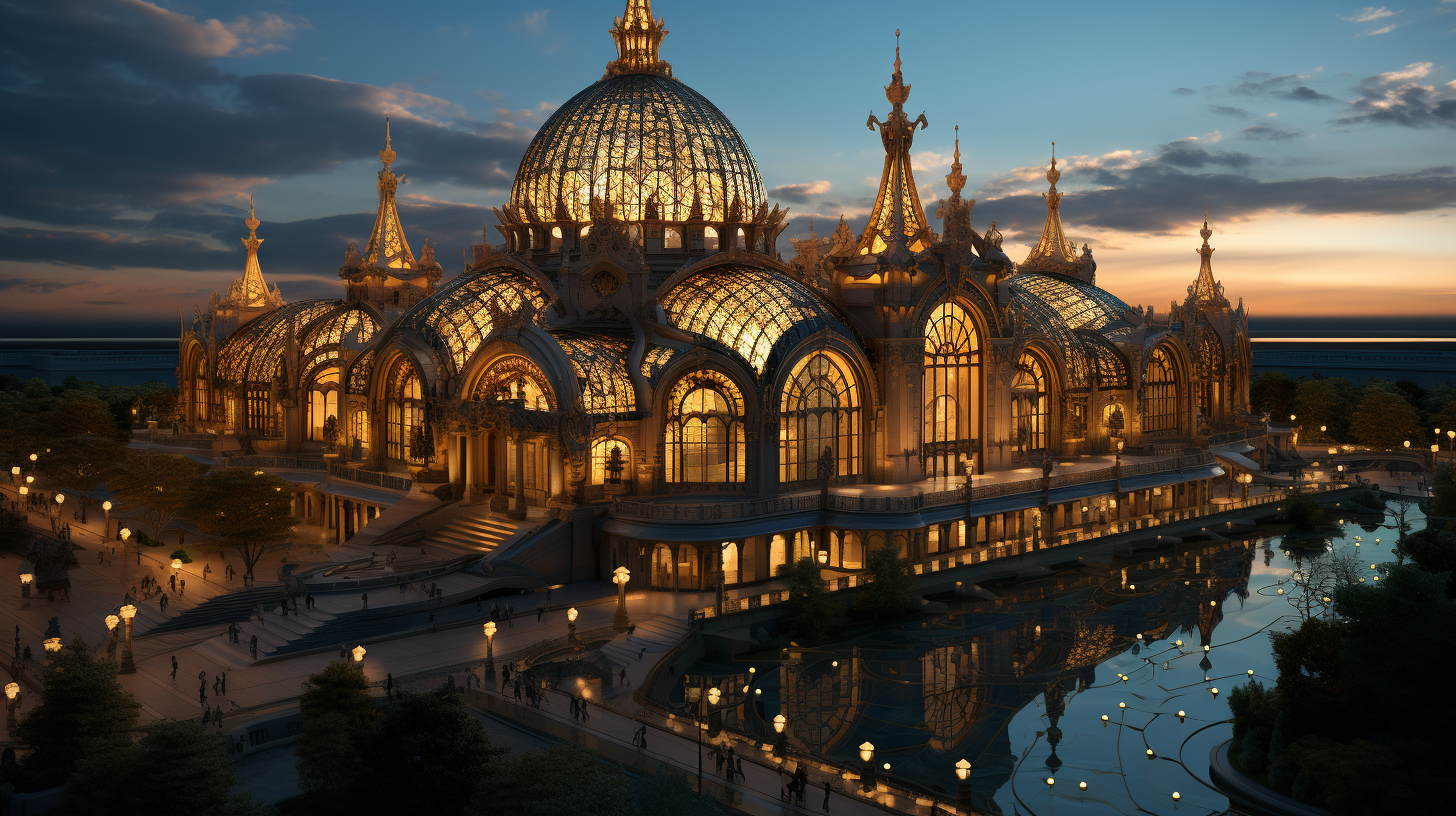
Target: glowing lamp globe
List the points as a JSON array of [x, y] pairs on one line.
[[571, 614], [127, 612], [176, 563], [489, 628], [779, 721], [112, 621], [714, 695], [11, 689], [358, 652], [866, 751], [963, 768]]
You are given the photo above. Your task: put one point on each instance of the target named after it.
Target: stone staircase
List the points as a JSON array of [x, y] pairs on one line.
[[655, 635], [475, 530]]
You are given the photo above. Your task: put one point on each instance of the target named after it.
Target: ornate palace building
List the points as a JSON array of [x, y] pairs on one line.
[[628, 349]]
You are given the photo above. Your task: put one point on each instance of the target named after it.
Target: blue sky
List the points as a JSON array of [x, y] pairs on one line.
[[1319, 134]]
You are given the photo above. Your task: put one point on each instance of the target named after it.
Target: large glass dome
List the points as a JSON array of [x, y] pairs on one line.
[[646, 143]]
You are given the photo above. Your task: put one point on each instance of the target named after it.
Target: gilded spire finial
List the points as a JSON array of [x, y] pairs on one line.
[[1206, 290], [956, 181], [1053, 174], [897, 50], [897, 220], [252, 222], [638, 36], [387, 155]]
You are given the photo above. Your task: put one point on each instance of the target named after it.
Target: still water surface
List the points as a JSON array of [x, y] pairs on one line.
[[1017, 683]]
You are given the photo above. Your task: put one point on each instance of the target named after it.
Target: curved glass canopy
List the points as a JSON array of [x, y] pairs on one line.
[[744, 308], [255, 352], [463, 314], [600, 363]]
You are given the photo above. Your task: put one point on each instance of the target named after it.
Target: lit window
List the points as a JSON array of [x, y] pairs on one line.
[[820, 411], [611, 461], [671, 238], [952, 389], [710, 239], [1160, 394], [704, 434], [1029, 405]]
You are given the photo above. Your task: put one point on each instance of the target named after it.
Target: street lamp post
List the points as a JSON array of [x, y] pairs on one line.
[[26, 579], [61, 499], [571, 625], [111, 623], [489, 650], [128, 666], [620, 577], [780, 722], [106, 506], [867, 756], [963, 785], [12, 702], [1451, 440]]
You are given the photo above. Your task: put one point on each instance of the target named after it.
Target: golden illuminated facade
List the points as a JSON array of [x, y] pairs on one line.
[[637, 340]]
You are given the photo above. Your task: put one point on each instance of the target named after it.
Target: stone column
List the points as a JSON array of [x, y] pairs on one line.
[[558, 472], [468, 468], [518, 506]]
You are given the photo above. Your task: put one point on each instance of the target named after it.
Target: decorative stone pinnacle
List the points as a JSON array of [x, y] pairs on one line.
[[387, 155]]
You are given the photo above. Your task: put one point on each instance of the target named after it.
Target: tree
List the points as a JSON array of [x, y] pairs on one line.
[[177, 769], [1433, 551], [78, 413], [1445, 419], [1310, 676], [1324, 402], [327, 757], [1443, 494], [1304, 513], [810, 611], [1274, 393], [565, 778], [80, 464], [1315, 579], [424, 754], [14, 531], [1343, 777], [340, 688], [81, 705], [248, 511], [157, 486], [890, 590], [1385, 420]]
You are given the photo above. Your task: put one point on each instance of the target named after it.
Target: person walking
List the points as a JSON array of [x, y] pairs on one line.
[[505, 677], [517, 686], [174, 668], [540, 611], [622, 678], [365, 598], [206, 571], [224, 684], [826, 795], [642, 740], [162, 603], [173, 581], [253, 647], [389, 686]]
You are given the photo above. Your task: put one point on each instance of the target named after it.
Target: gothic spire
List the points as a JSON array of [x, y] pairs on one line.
[[897, 220], [1053, 253], [638, 36], [251, 291], [387, 244], [955, 212], [1206, 291]]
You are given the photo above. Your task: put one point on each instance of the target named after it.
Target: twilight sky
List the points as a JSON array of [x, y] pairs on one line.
[[1321, 136]]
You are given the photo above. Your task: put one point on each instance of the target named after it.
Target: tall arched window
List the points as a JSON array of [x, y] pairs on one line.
[[1160, 394], [820, 409], [514, 377], [359, 428], [1210, 369], [199, 389], [611, 461], [952, 389], [704, 433], [1030, 417], [404, 423]]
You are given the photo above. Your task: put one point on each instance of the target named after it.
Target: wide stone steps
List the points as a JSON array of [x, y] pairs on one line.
[[656, 634], [472, 532]]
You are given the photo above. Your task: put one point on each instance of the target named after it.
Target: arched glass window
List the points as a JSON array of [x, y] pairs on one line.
[[611, 461], [1029, 405], [359, 428], [513, 377], [952, 389], [405, 422], [323, 401], [1160, 394], [820, 410], [199, 388], [1210, 368], [704, 433]]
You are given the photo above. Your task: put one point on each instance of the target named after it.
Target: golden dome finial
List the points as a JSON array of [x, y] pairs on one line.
[[1206, 232], [387, 155], [956, 181], [1053, 174], [897, 50], [252, 222], [638, 36]]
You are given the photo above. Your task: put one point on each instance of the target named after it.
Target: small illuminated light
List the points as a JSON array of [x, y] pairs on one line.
[[106, 505], [358, 652], [1050, 781], [11, 689], [1176, 797], [757, 692], [886, 766], [571, 615], [866, 751], [1214, 691], [714, 695], [779, 721], [1104, 720], [1181, 715], [1251, 672], [1081, 786], [60, 498], [1132, 586], [176, 563], [752, 670], [963, 769], [1377, 578], [834, 663], [127, 612], [1122, 705], [111, 622], [1372, 566], [52, 644], [1281, 590], [1205, 648], [125, 533], [1140, 636], [489, 628], [1213, 603], [1178, 643]]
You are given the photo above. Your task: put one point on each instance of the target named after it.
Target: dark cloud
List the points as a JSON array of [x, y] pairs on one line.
[[114, 107], [799, 193], [1278, 86], [1183, 91], [1155, 197], [31, 285], [1399, 98], [1304, 93], [1269, 133], [1228, 111], [1185, 153]]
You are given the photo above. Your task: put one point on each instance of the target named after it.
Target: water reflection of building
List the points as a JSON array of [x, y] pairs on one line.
[[637, 347], [927, 698]]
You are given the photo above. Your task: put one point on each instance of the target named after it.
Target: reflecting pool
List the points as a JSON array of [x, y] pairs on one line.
[[1017, 679]]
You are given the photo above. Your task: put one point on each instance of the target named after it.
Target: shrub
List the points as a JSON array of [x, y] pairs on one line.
[[181, 555], [1304, 513], [1341, 777], [1254, 708], [1254, 751], [1368, 499]]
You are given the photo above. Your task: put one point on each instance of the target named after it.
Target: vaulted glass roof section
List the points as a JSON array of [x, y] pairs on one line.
[[744, 308], [254, 353], [600, 363], [1080, 305], [463, 313]]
